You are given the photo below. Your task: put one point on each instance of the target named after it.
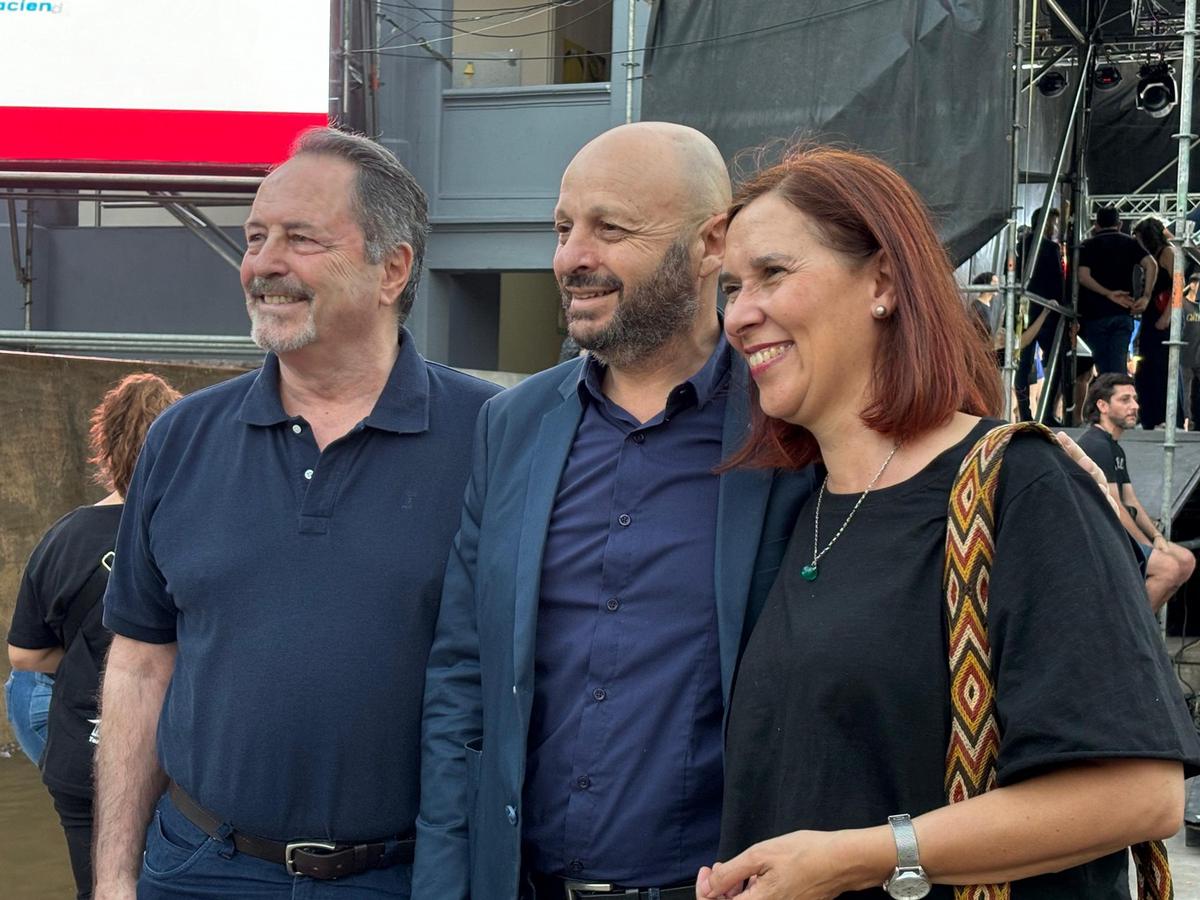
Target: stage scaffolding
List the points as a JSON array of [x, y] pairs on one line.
[[1176, 38]]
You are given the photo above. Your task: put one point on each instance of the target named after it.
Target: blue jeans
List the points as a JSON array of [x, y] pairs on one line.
[[27, 699], [181, 862], [1109, 339]]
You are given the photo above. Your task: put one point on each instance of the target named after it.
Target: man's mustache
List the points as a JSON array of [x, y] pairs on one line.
[[278, 286]]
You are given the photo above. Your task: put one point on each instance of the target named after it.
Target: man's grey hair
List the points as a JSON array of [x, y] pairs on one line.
[[390, 206]]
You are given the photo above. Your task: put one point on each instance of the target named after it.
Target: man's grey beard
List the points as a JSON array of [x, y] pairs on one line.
[[646, 317], [263, 333]]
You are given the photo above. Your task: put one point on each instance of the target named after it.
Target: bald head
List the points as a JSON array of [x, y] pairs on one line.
[[675, 165]]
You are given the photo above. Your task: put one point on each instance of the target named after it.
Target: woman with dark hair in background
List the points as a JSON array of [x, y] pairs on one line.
[[56, 625], [853, 757], [1155, 329]]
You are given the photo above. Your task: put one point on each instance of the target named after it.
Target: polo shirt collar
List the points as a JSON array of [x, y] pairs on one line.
[[402, 407], [707, 383]]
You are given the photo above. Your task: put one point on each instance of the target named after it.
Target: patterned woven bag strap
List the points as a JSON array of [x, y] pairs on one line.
[[975, 733]]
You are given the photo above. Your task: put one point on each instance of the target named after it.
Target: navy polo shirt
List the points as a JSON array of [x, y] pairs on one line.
[[623, 778], [302, 588]]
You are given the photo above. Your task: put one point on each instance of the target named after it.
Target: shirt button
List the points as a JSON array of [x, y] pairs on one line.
[[308, 473], [296, 429], [575, 866], [599, 694], [613, 604], [623, 519], [638, 437], [584, 782], [510, 813]]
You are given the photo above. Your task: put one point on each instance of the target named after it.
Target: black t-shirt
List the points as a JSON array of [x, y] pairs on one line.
[[841, 709], [59, 605], [1111, 258], [1106, 453], [1047, 278]]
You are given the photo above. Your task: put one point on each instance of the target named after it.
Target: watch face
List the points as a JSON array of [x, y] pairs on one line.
[[908, 886]]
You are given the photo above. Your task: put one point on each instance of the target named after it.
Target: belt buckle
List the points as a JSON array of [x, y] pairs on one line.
[[293, 846], [575, 889]]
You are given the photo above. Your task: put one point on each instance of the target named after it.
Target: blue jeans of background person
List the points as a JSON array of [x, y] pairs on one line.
[[1109, 339], [27, 699], [183, 863]]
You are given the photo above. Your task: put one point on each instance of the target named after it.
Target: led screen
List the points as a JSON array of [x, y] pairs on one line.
[[160, 84]]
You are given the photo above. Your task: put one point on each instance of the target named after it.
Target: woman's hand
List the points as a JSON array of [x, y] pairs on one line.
[[803, 865]]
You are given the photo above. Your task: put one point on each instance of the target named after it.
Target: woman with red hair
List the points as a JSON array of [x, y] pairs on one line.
[[842, 719], [57, 628]]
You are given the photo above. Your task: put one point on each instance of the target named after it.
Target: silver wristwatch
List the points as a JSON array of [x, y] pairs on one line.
[[908, 881]]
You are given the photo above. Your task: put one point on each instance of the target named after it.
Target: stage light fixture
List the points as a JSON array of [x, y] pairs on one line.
[[1107, 77], [1052, 83], [1157, 92]]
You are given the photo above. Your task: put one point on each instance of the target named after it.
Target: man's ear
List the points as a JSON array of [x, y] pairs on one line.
[[712, 235], [397, 270]]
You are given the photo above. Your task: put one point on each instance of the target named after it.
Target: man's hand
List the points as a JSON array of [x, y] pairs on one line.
[[1121, 298], [1088, 465]]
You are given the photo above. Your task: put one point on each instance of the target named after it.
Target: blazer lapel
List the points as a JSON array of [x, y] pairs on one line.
[[555, 436], [741, 510]]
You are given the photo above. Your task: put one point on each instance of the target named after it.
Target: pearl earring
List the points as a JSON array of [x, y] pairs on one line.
[[880, 311]]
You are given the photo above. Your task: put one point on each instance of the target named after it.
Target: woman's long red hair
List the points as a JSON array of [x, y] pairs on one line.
[[931, 361]]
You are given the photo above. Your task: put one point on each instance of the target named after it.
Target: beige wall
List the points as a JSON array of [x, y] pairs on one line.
[[530, 338], [495, 37], [45, 403]]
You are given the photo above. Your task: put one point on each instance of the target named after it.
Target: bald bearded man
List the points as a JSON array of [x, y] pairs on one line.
[[603, 577]]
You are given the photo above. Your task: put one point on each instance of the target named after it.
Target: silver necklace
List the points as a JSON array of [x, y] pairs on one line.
[[810, 572]]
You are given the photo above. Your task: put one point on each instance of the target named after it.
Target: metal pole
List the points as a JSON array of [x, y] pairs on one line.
[[216, 239], [629, 62], [1053, 369], [1059, 159], [1181, 191], [1010, 281], [346, 24], [28, 269]]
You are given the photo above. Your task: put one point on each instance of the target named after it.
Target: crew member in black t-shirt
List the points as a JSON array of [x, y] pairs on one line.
[[1106, 302], [56, 624], [1046, 281], [1111, 407]]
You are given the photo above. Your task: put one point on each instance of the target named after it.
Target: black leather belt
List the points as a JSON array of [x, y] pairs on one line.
[[314, 859], [552, 887]]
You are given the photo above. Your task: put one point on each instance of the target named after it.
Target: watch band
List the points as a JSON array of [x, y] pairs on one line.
[[907, 855]]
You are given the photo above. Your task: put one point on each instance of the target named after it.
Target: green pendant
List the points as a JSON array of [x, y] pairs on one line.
[[809, 572]]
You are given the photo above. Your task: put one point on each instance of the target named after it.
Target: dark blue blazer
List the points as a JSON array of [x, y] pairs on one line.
[[479, 685]]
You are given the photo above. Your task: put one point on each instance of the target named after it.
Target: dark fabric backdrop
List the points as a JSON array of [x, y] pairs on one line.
[[922, 83]]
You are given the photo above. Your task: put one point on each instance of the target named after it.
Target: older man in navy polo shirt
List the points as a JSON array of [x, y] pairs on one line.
[[604, 575], [279, 563]]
